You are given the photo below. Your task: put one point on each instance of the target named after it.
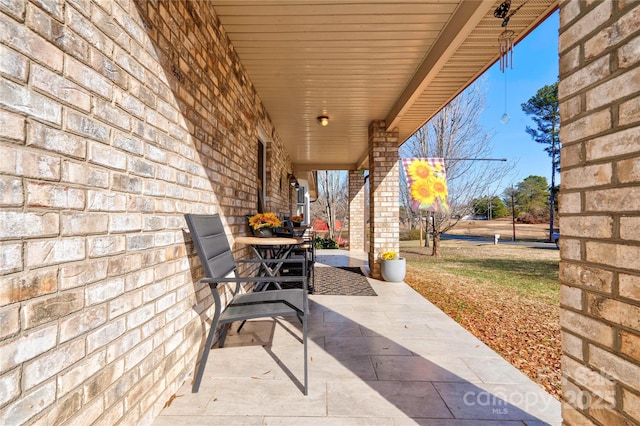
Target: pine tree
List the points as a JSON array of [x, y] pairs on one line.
[[545, 112]]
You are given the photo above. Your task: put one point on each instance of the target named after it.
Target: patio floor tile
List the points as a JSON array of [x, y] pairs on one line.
[[254, 397], [328, 421], [455, 422], [499, 402], [385, 398], [364, 345], [182, 420], [417, 368], [495, 370]]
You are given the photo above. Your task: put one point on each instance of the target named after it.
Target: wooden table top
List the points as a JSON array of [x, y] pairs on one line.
[[269, 241]]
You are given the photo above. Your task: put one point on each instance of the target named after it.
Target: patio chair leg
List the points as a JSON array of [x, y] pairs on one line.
[[223, 335], [306, 356], [203, 360]]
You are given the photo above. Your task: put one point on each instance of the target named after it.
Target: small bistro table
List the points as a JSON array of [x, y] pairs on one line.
[[278, 248]]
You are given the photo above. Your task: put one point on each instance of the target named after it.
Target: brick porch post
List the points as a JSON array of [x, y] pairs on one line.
[[357, 218], [384, 187], [600, 212]]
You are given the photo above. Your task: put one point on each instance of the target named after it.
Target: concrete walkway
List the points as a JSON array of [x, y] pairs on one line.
[[391, 359]]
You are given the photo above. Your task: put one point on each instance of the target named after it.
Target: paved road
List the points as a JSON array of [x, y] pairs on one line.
[[507, 240]]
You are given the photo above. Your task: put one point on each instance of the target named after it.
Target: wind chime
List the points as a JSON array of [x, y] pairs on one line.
[[505, 44], [505, 40], [506, 61]]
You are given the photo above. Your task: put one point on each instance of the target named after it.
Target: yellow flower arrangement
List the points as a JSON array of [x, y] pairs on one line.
[[264, 220], [389, 255]]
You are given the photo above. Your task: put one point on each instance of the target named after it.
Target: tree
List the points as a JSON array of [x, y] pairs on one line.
[[491, 207], [532, 197], [510, 201], [455, 134], [333, 198], [545, 112]]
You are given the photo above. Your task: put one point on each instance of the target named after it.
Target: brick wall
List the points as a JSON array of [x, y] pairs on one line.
[[357, 219], [116, 118], [384, 203], [600, 211]]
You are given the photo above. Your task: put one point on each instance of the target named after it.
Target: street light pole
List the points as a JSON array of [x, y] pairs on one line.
[[553, 186], [513, 212]]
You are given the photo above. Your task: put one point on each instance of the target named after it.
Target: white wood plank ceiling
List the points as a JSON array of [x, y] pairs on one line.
[[356, 61]]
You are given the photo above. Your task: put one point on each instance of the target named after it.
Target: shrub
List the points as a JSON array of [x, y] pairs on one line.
[[410, 235], [529, 218], [326, 243]]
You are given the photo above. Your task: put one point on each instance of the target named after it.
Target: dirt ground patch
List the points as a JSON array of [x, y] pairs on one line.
[[507, 296], [504, 227]]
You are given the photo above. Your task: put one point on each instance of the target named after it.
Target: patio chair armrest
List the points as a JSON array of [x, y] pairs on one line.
[[256, 261], [280, 279]]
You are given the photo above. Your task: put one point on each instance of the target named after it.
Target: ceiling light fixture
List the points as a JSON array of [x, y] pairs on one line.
[[293, 181], [323, 120]]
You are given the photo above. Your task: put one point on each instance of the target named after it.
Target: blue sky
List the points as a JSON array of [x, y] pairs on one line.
[[535, 63]]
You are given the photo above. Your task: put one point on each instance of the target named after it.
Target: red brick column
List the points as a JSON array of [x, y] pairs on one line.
[[357, 217], [384, 202], [600, 212]]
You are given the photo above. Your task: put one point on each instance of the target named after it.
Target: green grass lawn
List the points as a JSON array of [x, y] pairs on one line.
[[527, 271]]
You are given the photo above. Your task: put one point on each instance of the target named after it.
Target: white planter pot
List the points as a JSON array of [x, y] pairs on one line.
[[393, 270]]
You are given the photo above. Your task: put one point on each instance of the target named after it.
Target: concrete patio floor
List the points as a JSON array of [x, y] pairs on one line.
[[391, 359]]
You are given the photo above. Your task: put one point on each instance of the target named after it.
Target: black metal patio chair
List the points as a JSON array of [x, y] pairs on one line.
[[307, 251], [219, 265]]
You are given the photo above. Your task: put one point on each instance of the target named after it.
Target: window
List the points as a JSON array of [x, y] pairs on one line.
[[261, 176]]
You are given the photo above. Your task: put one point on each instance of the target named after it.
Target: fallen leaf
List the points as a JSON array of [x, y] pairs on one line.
[[171, 398]]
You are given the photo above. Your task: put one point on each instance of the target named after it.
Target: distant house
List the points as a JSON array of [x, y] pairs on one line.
[[322, 229], [321, 225]]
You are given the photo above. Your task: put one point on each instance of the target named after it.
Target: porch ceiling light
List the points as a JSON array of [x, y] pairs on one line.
[[323, 120], [293, 181]]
